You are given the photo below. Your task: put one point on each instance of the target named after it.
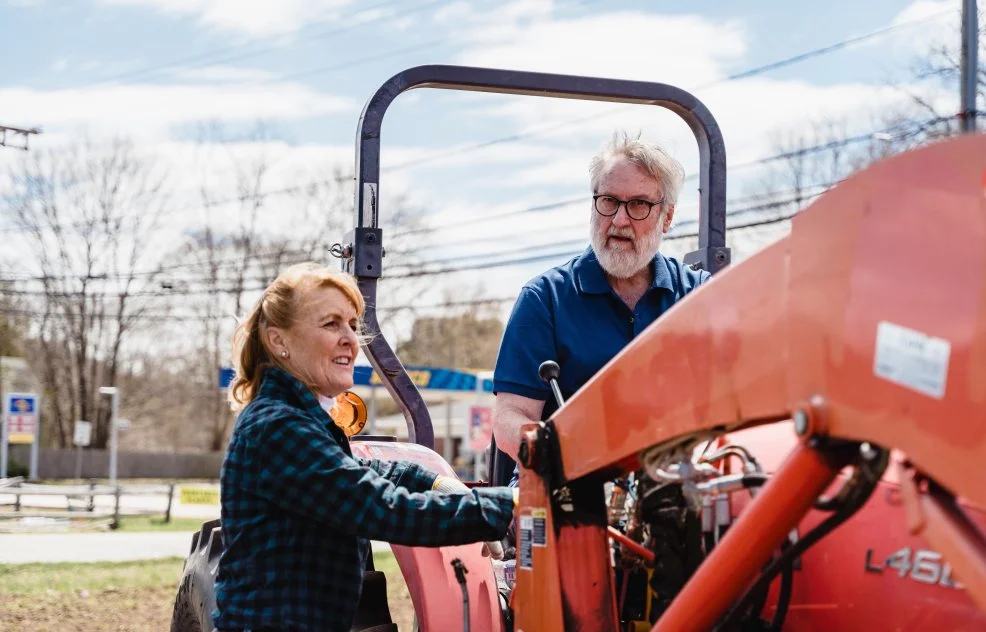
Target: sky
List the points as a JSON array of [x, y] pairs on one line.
[[160, 70]]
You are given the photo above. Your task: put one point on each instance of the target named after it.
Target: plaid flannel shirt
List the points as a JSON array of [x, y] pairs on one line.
[[298, 512]]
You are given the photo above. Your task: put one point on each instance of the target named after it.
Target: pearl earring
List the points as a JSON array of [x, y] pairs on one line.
[[284, 354]]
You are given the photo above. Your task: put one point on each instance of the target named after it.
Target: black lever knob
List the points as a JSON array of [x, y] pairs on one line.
[[549, 372]]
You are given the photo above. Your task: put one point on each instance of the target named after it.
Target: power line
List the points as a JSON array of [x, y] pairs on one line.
[[412, 48], [289, 257], [796, 197], [745, 74], [215, 56], [168, 317], [494, 217], [555, 255], [801, 194], [296, 255], [742, 74]]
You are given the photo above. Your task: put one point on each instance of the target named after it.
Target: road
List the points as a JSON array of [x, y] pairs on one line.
[[24, 548], [62, 546]]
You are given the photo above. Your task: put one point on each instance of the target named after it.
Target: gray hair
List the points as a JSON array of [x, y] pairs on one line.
[[657, 162]]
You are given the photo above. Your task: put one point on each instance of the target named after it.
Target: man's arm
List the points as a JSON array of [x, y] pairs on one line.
[[510, 413]]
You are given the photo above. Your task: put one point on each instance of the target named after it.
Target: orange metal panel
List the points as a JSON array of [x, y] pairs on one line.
[[898, 250], [587, 581], [537, 594]]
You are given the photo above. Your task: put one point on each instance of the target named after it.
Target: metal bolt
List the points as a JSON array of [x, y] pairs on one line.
[[867, 451], [801, 423]]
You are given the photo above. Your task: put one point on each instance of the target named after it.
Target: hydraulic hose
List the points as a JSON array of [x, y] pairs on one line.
[[460, 576]]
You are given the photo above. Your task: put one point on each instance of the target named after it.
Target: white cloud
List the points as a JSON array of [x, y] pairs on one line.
[[925, 24], [251, 17], [625, 45], [150, 110], [223, 74], [453, 12], [691, 52], [922, 9]]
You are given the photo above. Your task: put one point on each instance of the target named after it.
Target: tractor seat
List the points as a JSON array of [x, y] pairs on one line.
[[499, 466]]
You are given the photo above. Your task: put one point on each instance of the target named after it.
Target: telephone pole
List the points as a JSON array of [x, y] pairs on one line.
[[970, 65], [8, 136]]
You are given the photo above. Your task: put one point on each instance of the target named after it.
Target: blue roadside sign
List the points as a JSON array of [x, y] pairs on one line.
[[225, 377], [424, 377]]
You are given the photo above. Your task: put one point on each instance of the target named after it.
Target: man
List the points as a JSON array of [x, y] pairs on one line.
[[581, 314]]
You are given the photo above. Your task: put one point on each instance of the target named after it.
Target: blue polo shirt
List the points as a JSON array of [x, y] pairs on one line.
[[571, 315]]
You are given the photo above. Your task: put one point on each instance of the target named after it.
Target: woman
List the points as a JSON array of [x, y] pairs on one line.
[[297, 509]]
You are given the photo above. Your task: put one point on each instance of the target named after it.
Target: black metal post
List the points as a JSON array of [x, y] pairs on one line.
[[171, 496], [116, 508]]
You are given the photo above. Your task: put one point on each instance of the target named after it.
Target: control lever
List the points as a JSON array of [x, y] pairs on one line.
[[549, 372]]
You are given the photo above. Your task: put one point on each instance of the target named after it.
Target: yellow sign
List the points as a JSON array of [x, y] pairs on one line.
[[20, 437], [419, 378], [198, 495]]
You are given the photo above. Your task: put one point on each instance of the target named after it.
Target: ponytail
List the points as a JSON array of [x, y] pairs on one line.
[[250, 358]]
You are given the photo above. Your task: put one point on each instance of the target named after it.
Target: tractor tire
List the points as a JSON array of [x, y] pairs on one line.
[[196, 598]]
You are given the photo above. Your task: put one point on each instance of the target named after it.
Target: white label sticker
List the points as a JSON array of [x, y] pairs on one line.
[[912, 359], [525, 554]]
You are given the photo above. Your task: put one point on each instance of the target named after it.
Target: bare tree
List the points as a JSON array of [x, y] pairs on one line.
[[940, 67], [88, 214], [467, 338]]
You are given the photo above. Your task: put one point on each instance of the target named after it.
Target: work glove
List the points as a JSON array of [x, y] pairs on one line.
[[452, 485]]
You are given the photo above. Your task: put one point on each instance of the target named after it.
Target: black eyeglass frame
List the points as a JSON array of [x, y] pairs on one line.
[[626, 204]]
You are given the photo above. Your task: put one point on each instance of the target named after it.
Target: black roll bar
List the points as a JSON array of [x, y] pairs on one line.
[[363, 251]]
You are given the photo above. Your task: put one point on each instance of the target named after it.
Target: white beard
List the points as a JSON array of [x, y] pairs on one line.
[[620, 263]]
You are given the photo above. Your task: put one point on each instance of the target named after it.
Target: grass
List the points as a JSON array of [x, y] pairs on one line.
[[157, 523], [31, 579], [123, 596], [28, 579]]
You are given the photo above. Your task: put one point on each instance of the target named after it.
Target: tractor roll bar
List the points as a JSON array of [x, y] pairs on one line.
[[363, 249]]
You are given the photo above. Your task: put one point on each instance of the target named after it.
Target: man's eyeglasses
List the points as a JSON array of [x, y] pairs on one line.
[[609, 206]]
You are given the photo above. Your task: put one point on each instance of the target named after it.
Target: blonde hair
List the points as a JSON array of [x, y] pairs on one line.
[[657, 162], [278, 307]]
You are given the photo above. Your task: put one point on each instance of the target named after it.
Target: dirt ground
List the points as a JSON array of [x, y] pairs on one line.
[[132, 609], [111, 610]]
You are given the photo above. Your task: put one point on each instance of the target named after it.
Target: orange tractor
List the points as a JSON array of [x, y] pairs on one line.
[[797, 445]]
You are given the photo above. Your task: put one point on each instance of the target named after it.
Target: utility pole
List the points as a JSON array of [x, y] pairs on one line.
[[9, 134], [970, 64], [114, 393], [6, 135]]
